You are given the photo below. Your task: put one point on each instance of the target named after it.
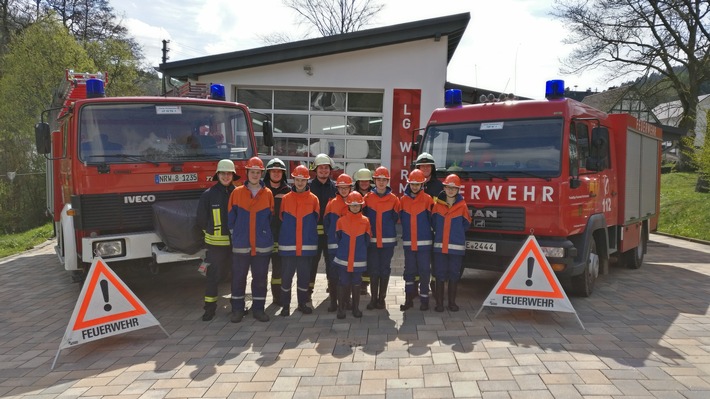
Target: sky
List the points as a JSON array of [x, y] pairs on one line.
[[512, 46]]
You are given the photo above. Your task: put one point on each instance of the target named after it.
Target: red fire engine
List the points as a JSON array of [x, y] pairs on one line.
[[584, 182], [111, 161]]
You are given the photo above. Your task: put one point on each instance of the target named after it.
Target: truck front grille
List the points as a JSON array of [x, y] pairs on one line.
[[497, 218], [123, 212]]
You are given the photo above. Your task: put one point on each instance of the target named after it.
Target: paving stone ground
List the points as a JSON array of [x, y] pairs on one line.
[[647, 335]]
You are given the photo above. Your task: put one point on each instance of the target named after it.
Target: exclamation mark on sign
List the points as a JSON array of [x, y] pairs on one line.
[[531, 264], [104, 291]]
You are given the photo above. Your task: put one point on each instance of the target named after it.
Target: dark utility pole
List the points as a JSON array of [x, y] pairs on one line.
[[165, 59]]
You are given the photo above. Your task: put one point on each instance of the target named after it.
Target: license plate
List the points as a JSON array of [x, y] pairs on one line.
[[481, 246], [176, 178]]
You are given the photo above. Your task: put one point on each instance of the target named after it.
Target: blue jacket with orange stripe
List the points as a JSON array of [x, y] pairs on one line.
[[333, 211], [383, 212], [450, 224], [353, 232], [299, 224], [250, 221], [416, 220]]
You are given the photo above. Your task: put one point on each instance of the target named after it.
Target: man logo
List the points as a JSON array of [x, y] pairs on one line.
[[480, 213], [480, 223]]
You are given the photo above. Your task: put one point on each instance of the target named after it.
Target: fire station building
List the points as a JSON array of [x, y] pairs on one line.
[[357, 97]]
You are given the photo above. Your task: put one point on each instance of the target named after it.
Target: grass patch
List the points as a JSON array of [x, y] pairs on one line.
[[684, 212], [15, 243]]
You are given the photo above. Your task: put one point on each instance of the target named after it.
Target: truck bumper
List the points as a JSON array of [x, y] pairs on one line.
[[132, 246], [507, 247]]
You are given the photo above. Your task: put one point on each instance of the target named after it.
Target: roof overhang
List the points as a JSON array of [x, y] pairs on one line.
[[452, 26]]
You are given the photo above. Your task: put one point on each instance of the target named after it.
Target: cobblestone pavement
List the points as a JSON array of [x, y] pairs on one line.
[[647, 336]]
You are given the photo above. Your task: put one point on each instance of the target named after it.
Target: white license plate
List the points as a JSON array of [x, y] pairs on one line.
[[481, 246], [176, 178]]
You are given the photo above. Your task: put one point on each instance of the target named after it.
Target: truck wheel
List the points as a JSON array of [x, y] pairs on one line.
[[633, 258], [583, 284]]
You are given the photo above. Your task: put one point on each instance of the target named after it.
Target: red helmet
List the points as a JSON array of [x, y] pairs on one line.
[[416, 176], [354, 198], [452, 181], [255, 163], [344, 181], [381, 173], [301, 172]]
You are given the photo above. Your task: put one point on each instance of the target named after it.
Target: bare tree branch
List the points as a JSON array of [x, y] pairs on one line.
[[333, 17]]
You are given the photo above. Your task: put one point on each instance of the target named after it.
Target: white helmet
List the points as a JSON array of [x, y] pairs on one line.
[[425, 159], [225, 165], [275, 164], [363, 174], [323, 159]]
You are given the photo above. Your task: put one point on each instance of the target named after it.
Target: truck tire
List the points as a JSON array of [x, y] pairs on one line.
[[633, 258], [583, 284]]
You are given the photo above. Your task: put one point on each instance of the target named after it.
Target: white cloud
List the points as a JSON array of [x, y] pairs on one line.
[[509, 45]]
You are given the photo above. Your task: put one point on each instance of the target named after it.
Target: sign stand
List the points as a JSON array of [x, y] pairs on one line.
[[530, 283], [106, 307]]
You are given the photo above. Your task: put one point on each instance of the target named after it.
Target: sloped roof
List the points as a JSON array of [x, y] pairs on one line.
[[605, 101], [673, 109], [452, 26]]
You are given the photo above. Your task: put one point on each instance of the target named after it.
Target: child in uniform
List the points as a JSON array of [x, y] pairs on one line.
[[298, 239], [353, 235], [251, 208], [333, 211], [417, 239], [382, 208], [450, 221]]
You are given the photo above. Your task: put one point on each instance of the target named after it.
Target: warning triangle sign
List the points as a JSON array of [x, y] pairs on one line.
[[529, 283], [106, 307]]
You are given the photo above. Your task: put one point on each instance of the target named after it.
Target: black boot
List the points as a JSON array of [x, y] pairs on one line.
[[408, 302], [453, 287], [424, 303], [384, 281], [276, 294], [375, 284], [341, 301], [210, 309], [333, 295], [356, 301], [439, 296]]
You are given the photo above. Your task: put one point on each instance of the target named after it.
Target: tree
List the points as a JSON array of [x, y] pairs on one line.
[[31, 70], [333, 17], [639, 37]]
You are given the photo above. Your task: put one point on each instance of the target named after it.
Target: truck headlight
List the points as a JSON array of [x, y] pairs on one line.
[[109, 249], [553, 252]]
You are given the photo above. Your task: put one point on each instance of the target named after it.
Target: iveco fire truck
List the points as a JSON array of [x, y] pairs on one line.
[[111, 160], [584, 183]]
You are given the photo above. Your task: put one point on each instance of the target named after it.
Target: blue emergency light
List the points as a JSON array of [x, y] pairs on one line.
[[217, 92], [452, 98], [95, 88], [555, 89]]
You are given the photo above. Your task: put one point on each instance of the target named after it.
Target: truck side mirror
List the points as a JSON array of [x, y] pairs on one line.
[[268, 131], [43, 138]]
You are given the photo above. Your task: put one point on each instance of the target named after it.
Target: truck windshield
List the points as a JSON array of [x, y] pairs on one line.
[[497, 148], [162, 132]]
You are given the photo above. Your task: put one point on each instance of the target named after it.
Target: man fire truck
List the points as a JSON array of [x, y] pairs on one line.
[[584, 182], [113, 161]]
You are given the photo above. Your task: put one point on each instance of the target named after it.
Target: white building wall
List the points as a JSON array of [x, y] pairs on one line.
[[412, 65]]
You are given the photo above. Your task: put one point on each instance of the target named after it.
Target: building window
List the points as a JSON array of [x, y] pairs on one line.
[[346, 125]]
